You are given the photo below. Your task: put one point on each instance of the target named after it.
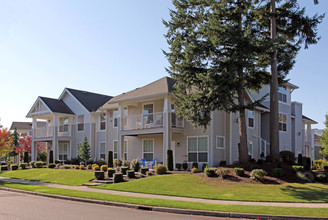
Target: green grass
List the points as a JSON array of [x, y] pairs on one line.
[[194, 186], [59, 176], [313, 212]]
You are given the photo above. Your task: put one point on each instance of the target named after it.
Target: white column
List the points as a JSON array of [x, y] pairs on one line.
[[120, 140], [167, 134], [34, 126], [54, 137]]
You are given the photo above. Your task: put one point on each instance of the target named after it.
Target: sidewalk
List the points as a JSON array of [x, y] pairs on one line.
[[176, 198]]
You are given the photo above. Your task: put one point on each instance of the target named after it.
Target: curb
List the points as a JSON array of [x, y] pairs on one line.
[[168, 210]]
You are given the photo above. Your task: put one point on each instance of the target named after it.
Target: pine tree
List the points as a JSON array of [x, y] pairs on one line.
[[84, 150], [324, 140], [14, 144]]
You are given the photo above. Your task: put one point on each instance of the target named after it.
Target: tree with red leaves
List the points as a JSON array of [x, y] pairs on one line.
[[25, 145], [5, 142]]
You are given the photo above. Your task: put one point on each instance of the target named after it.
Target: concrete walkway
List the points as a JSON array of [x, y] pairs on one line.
[[176, 198]]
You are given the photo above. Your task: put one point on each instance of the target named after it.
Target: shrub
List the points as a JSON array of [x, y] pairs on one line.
[[110, 159], [320, 164], [277, 172], [77, 167], [160, 169], [298, 168], [51, 156], [51, 165], [23, 165], [82, 167], [254, 167], [252, 160], [178, 166], [258, 174], [130, 174], [135, 165], [210, 172], [123, 169], [307, 163], [4, 167], [32, 164], [185, 166], [194, 170], [239, 171], [322, 177], [66, 166], [118, 177], [94, 166], [144, 171], [57, 161], [14, 166], [100, 162], [223, 173], [149, 173], [42, 156], [325, 167], [300, 160], [67, 162], [104, 168], [117, 162], [75, 161], [287, 156], [279, 164], [204, 166], [260, 161], [169, 160], [223, 163], [38, 164], [110, 172], [100, 175], [25, 158], [89, 166], [194, 165]]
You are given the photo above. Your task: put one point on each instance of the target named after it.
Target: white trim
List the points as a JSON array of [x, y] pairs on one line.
[[66, 90], [216, 141], [99, 122], [199, 136], [147, 103], [38, 99], [68, 149], [146, 139], [283, 123], [99, 150]]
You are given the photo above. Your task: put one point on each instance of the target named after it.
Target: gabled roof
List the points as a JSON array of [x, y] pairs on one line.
[[21, 125], [57, 106], [91, 101], [159, 87], [309, 120]]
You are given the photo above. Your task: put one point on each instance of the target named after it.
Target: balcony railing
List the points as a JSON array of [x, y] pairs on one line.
[[176, 122], [43, 132]]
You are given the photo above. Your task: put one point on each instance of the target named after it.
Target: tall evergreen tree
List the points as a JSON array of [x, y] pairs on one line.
[[324, 140], [84, 150], [214, 48], [14, 143]]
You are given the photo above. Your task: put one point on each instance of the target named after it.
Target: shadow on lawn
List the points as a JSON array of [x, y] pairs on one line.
[[311, 194]]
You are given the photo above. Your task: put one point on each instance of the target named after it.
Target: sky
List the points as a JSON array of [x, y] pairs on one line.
[[111, 47]]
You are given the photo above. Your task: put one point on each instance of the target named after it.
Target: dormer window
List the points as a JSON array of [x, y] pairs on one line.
[[282, 94]]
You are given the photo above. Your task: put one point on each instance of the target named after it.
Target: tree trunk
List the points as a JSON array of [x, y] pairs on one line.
[[274, 108]]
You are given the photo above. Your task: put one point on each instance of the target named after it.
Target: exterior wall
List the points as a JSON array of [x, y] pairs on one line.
[[234, 138], [253, 134], [297, 129]]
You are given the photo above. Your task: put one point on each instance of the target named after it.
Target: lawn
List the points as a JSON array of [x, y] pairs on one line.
[[313, 212], [194, 186], [59, 176]]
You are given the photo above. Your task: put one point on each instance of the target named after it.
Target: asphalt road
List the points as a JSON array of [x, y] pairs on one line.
[[21, 207]]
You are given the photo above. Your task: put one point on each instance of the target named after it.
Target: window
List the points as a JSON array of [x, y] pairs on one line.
[[219, 142], [63, 151], [102, 122], [80, 123], [251, 119], [125, 153], [148, 110], [116, 114], [115, 149], [282, 94], [250, 148], [148, 149], [197, 149], [63, 125], [125, 111], [282, 122], [102, 151]]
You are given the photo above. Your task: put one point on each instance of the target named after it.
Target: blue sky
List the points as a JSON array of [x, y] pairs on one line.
[[110, 47]]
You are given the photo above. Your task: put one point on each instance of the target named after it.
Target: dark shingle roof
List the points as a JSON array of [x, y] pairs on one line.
[[91, 101], [57, 106]]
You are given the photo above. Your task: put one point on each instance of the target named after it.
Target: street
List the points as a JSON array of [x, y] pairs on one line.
[[22, 206]]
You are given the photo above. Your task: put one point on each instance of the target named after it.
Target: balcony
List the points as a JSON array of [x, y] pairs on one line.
[[153, 120], [48, 131]]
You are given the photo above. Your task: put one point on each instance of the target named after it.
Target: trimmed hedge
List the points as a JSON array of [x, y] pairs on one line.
[[25, 158], [51, 156], [194, 170], [210, 172], [110, 172], [223, 173], [258, 174], [277, 172], [239, 171], [160, 169], [104, 168], [110, 159], [4, 167], [178, 166], [194, 165], [130, 174], [123, 169], [100, 175], [169, 160], [14, 166], [144, 171], [118, 177], [23, 165], [185, 166], [51, 165], [223, 163]]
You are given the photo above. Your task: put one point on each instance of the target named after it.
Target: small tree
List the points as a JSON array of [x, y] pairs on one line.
[[5, 142], [169, 162], [110, 159], [14, 144], [51, 156], [84, 150], [324, 140]]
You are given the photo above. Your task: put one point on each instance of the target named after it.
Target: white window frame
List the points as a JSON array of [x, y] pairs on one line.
[[67, 153], [125, 153], [102, 121], [281, 122], [115, 152], [280, 92], [78, 123], [253, 117], [100, 150], [148, 139], [115, 118], [250, 143], [216, 146], [201, 136], [63, 125]]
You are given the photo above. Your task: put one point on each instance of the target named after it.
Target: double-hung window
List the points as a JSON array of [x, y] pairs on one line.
[[148, 149], [102, 151], [282, 122], [102, 122], [197, 149], [148, 112], [125, 150], [250, 148], [219, 142], [63, 151], [116, 117], [80, 123], [251, 119], [115, 150], [282, 94], [63, 125]]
